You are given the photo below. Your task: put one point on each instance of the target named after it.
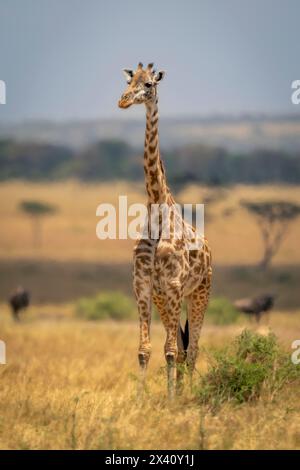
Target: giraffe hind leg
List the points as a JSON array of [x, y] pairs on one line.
[[174, 353], [142, 285], [197, 303], [160, 303]]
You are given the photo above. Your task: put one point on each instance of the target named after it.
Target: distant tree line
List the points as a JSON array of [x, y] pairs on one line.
[[113, 159]]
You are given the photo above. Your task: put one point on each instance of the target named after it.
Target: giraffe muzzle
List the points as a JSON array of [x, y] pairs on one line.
[[125, 101]]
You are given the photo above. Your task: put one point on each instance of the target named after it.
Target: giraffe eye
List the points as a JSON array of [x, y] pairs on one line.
[[148, 85]]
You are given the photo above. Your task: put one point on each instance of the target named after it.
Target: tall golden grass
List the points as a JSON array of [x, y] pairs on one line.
[[72, 385]]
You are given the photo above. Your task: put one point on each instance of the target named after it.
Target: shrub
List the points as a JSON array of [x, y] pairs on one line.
[[255, 348], [221, 311], [114, 305], [240, 373]]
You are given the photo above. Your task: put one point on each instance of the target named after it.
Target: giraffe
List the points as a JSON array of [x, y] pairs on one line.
[[165, 270]]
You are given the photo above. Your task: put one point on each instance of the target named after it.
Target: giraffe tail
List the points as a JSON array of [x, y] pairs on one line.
[[185, 336]]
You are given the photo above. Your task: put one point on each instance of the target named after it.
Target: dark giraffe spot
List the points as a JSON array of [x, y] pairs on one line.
[[155, 195], [153, 134], [151, 161], [153, 176]]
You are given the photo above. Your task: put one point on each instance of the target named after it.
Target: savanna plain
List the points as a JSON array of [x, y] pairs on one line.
[[71, 383]]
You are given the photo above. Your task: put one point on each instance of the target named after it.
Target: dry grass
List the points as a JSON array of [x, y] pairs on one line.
[[72, 385], [70, 234]]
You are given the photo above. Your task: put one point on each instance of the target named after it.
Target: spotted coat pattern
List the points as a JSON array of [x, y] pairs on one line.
[[166, 271]]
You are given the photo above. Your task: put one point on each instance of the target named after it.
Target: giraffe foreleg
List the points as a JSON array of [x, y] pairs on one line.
[[142, 286]]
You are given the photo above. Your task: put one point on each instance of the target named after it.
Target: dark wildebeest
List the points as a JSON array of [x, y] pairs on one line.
[[18, 301], [255, 306]]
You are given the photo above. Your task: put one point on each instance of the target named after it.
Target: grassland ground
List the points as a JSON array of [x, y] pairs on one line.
[[71, 384], [70, 233], [51, 281], [72, 261]]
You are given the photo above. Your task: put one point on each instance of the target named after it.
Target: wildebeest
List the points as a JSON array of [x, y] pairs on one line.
[[18, 301], [255, 306]]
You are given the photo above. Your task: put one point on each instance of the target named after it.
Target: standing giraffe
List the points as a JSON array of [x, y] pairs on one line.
[[166, 270]]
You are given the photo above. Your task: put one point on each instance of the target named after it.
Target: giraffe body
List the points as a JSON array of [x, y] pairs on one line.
[[166, 270]]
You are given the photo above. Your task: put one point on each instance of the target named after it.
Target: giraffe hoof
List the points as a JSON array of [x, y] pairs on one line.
[[170, 358], [171, 394], [143, 359]]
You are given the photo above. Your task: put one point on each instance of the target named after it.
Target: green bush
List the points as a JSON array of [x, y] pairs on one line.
[[255, 348], [221, 311], [114, 305], [239, 373]]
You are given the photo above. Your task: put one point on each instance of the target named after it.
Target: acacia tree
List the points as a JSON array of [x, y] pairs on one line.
[[274, 219], [37, 211]]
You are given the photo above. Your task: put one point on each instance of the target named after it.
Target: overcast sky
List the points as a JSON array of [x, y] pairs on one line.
[[62, 59]]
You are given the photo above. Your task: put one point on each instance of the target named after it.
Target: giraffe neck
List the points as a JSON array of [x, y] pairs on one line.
[[155, 178]]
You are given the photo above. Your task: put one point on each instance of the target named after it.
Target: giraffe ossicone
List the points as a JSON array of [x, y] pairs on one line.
[[165, 271]]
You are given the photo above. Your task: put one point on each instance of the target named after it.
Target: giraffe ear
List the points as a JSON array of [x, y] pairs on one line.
[[128, 74], [159, 76]]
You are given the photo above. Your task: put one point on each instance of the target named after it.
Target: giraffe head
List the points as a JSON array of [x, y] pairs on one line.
[[142, 85]]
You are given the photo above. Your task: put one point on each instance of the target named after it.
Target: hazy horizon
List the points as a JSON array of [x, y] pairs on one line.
[[62, 59], [135, 119]]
